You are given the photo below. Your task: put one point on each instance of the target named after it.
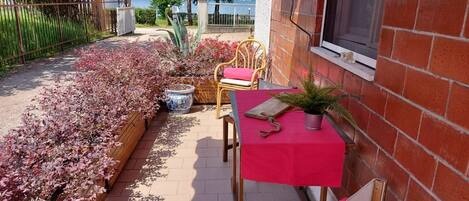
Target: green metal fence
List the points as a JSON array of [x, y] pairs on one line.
[[35, 28]]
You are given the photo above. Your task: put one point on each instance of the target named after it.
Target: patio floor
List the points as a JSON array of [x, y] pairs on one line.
[[179, 158]]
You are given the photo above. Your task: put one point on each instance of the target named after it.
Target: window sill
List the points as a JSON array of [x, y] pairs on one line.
[[356, 68]]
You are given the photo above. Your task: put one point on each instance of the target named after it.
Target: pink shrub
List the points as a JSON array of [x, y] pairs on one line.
[[202, 62], [216, 50], [62, 145]]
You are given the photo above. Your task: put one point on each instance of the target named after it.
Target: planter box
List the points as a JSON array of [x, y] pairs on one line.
[[130, 136], [205, 90]]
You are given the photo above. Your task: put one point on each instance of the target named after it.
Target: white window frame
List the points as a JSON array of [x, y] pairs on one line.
[[370, 62]]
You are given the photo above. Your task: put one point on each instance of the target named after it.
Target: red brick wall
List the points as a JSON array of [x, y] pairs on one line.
[[414, 117]]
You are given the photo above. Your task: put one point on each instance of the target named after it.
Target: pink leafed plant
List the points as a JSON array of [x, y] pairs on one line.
[[61, 149], [216, 50], [63, 143], [202, 62]]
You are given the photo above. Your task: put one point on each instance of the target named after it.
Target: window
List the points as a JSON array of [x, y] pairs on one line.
[[353, 26]]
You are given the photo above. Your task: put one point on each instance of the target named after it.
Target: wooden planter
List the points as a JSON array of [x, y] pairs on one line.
[[205, 90], [130, 136]]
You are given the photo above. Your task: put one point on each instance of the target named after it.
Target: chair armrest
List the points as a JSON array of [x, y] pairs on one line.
[[215, 73], [256, 74]]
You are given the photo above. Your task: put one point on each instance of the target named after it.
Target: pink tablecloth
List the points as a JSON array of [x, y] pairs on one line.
[[294, 156]]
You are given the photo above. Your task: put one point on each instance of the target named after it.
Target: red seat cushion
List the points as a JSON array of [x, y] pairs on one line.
[[238, 73]]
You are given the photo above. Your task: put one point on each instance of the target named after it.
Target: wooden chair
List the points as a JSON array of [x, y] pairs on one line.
[[374, 190], [250, 54]]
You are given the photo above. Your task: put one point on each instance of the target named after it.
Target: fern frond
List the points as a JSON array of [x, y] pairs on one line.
[[318, 100]]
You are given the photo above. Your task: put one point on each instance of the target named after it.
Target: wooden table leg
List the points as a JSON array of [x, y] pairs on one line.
[[241, 189], [302, 193], [323, 195], [241, 180], [233, 177], [225, 140]]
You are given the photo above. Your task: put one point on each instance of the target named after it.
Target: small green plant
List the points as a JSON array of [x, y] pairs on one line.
[[317, 100], [4, 68], [181, 38]]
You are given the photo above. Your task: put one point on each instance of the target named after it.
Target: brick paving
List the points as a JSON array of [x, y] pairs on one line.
[[179, 158]]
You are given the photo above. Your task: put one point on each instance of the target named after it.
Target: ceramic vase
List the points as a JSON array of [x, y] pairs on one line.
[[180, 98]]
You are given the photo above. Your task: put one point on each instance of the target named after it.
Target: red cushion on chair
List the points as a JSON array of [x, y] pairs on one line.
[[238, 73], [343, 199]]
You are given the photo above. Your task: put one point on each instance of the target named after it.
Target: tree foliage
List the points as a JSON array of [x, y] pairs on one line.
[[145, 16], [162, 5]]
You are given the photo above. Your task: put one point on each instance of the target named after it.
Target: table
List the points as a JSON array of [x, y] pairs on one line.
[[281, 158]]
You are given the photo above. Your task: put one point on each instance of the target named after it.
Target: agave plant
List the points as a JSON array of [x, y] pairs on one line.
[[181, 37], [317, 101]]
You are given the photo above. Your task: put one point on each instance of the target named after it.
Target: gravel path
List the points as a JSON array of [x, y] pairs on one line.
[[19, 88]]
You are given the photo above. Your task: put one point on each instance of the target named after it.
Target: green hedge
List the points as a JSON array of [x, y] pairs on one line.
[[145, 16]]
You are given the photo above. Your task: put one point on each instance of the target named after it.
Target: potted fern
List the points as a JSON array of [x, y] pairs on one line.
[[316, 102]]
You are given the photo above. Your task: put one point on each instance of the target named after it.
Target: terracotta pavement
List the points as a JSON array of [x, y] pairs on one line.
[[179, 158]]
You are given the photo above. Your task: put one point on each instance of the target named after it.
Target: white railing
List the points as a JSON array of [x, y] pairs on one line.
[[231, 14]]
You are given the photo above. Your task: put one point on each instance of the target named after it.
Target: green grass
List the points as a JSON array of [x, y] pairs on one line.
[[39, 32], [162, 23], [145, 25]]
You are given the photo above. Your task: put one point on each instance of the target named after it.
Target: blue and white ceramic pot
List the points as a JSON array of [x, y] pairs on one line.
[[179, 98]]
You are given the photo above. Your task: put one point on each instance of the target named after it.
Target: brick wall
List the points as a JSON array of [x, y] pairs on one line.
[[414, 117]]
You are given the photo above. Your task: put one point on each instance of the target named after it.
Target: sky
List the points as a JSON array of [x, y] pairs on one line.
[[241, 10]]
